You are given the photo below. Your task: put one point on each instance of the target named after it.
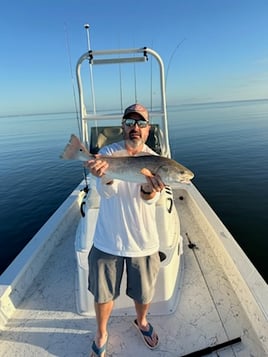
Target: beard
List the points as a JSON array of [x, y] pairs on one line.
[[134, 139]]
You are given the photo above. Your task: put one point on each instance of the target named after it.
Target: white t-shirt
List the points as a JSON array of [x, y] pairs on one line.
[[126, 223]]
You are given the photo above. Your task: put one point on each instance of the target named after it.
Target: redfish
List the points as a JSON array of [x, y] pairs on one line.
[[131, 168]]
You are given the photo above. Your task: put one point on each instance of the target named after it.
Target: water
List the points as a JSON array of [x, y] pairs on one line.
[[34, 181], [225, 144]]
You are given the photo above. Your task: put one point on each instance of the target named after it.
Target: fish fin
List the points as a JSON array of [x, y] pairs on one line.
[[163, 168], [75, 150], [146, 172]]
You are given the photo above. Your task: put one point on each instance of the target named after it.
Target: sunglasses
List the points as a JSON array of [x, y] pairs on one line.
[[132, 122]]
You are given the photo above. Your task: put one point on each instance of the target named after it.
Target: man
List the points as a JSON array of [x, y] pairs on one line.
[[125, 234]]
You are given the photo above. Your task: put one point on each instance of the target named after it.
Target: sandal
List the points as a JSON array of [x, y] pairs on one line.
[[98, 351], [145, 335]]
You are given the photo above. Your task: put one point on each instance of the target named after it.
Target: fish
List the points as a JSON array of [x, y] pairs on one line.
[[131, 168]]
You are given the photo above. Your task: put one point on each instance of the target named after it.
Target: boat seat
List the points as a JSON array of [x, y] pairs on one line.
[[102, 136]]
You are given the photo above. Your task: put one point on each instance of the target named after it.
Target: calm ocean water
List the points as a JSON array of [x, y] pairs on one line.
[[225, 144]]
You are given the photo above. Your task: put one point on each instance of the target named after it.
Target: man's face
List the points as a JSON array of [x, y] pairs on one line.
[[133, 132]]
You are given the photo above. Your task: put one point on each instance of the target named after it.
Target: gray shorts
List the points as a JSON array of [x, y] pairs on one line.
[[106, 271]]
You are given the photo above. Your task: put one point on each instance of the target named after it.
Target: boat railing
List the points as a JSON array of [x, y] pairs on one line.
[[121, 56]]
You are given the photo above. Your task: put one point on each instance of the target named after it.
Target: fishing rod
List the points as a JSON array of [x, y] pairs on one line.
[[86, 26], [72, 80], [120, 80], [210, 349], [171, 57], [86, 188], [135, 80]]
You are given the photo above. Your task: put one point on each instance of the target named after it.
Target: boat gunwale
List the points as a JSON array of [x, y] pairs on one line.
[[249, 286], [19, 275]]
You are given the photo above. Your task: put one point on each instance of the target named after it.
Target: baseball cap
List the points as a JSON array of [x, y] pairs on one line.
[[137, 108]]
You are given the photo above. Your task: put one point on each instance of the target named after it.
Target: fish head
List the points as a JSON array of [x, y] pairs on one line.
[[173, 172]]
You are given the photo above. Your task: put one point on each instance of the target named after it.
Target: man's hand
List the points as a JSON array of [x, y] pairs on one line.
[[154, 184], [97, 167]]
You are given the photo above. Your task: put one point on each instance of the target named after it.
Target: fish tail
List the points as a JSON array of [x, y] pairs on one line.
[[75, 150]]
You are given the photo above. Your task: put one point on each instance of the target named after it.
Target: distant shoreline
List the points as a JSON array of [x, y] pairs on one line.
[[224, 102]]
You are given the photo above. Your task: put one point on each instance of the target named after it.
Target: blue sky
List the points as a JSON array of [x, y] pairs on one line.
[[223, 55]]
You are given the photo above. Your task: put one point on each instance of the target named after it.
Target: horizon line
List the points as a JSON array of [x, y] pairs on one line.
[[168, 105]]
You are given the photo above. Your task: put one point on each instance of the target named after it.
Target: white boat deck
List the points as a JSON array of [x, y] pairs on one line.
[[208, 313]]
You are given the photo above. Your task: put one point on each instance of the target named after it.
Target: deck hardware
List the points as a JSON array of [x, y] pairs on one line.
[[82, 209], [162, 256], [168, 190], [170, 200], [210, 349], [86, 190], [191, 245]]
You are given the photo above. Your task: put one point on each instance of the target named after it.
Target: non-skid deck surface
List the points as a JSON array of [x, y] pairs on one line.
[[46, 323]]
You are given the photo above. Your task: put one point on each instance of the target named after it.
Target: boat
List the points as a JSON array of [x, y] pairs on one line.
[[209, 300]]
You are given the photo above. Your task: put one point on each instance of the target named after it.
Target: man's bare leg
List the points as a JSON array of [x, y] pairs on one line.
[[103, 313], [142, 310]]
